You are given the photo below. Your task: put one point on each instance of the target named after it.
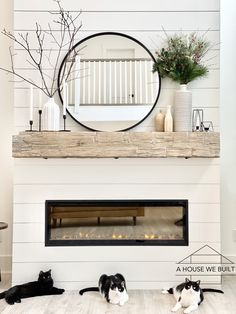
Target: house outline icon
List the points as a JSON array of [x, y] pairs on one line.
[[209, 252], [223, 259]]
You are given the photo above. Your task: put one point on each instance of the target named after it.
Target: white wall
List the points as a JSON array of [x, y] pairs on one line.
[[228, 129], [6, 129], [36, 180], [142, 20], [194, 179]]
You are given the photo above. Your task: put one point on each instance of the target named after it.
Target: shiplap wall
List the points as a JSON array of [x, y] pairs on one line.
[[36, 180], [139, 19], [6, 131], [195, 179]]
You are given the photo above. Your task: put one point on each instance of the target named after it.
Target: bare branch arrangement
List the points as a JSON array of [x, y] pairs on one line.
[[37, 57]]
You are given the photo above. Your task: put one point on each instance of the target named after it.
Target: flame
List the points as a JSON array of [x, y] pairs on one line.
[[118, 236]]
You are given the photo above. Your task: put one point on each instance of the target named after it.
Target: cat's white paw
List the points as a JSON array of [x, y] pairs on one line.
[[190, 309], [164, 291], [176, 307], [122, 303]]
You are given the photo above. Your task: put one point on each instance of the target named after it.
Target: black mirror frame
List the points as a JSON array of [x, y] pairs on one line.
[[101, 34]]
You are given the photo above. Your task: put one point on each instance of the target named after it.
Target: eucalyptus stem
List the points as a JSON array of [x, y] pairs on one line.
[[181, 59]]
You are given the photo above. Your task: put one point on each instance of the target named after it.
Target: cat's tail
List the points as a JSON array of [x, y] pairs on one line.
[[212, 290], [88, 290], [2, 295], [170, 291]]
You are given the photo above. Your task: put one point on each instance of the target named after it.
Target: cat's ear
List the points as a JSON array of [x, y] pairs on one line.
[[187, 280], [121, 277], [198, 282], [40, 273], [50, 271]]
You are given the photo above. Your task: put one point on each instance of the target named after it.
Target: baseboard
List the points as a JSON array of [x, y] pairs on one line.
[[5, 263]]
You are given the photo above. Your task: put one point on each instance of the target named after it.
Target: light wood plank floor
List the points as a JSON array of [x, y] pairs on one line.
[[141, 302]]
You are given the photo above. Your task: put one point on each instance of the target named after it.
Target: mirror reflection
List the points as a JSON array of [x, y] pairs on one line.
[[110, 84]]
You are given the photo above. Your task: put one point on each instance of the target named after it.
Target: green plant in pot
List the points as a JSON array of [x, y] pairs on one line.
[[181, 60]]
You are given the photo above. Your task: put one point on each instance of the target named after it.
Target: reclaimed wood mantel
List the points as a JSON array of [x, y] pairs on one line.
[[116, 144]]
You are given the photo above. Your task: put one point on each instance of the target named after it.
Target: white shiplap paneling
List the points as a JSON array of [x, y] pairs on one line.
[[37, 180], [117, 172], [153, 21], [36, 252], [207, 193], [151, 39], [195, 180], [107, 5]]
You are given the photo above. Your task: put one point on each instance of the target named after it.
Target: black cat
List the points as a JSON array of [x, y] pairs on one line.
[[44, 286], [112, 288]]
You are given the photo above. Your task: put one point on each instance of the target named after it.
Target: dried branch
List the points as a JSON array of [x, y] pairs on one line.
[[68, 28]]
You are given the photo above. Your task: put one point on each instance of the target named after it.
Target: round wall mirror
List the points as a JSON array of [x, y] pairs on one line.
[[108, 82]]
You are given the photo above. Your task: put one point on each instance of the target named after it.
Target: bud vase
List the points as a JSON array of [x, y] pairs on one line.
[[159, 121], [183, 110], [51, 116], [168, 126]]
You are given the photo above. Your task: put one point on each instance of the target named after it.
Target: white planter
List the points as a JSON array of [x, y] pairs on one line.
[[183, 110], [51, 116]]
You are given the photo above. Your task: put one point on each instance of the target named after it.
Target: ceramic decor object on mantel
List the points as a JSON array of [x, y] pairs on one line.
[[183, 109], [160, 121], [36, 53], [51, 116], [168, 126], [182, 60]]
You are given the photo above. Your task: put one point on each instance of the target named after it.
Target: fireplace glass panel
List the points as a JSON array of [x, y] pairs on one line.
[[116, 222]]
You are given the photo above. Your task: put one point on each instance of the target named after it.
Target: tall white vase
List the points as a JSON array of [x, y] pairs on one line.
[[51, 116], [168, 124], [183, 110]]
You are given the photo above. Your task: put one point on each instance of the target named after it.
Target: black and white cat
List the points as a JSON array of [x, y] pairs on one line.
[[43, 286], [188, 295], [112, 288]]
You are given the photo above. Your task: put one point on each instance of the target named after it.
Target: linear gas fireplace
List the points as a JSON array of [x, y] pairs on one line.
[[116, 222]]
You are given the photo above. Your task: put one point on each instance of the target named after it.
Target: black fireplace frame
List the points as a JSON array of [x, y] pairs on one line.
[[115, 242]]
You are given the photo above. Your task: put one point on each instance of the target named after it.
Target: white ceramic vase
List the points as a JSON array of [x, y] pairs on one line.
[[183, 109], [51, 116], [168, 125]]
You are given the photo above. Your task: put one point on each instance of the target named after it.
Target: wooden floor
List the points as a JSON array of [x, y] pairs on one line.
[[141, 302]]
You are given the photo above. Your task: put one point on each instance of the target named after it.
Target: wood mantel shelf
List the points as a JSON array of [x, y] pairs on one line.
[[116, 144]]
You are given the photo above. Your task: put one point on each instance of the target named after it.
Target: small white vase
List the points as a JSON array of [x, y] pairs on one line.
[[183, 109], [168, 126], [51, 116]]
